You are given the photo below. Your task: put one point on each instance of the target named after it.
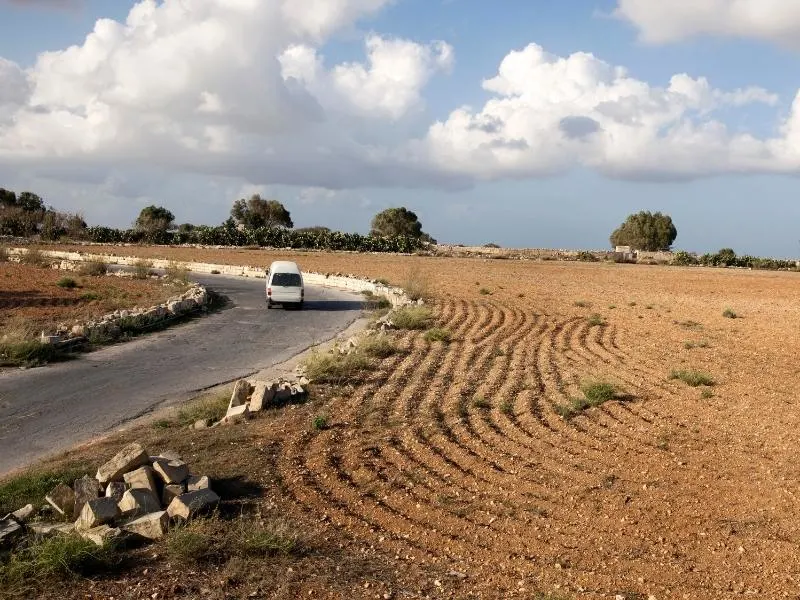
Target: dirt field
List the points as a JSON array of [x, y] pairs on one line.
[[449, 472], [31, 300]]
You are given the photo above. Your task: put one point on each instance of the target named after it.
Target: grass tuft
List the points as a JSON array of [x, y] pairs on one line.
[[729, 314], [31, 488], [34, 258], [595, 393], [437, 334], [413, 317], [481, 403], [692, 378], [596, 320], [485, 292], [210, 408], [335, 368], [320, 422], [93, 268], [67, 283], [177, 273], [378, 346], [582, 304], [141, 269], [28, 353]]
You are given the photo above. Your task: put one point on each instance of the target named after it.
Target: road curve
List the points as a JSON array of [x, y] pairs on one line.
[[46, 410]]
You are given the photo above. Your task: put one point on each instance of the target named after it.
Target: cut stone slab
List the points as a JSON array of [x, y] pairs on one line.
[[129, 458], [137, 502], [102, 534], [237, 413], [10, 529], [51, 528], [192, 503], [171, 471], [141, 478], [169, 455], [262, 395], [195, 483], [115, 490], [24, 513], [62, 499], [241, 390], [171, 491], [151, 527], [86, 488], [97, 512]]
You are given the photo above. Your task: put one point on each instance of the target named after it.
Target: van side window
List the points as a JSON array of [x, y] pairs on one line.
[[286, 280]]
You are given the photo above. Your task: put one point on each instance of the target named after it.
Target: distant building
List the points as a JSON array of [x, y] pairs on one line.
[[623, 249]]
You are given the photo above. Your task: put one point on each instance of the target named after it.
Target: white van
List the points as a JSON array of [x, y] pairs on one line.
[[285, 284]]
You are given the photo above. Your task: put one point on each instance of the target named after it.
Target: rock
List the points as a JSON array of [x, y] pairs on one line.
[[78, 331], [240, 393], [237, 413], [192, 503], [101, 535], [97, 512], [171, 491], [137, 502], [141, 478], [169, 455], [202, 424], [115, 490], [62, 499], [283, 393], [263, 394], [151, 527], [129, 458], [171, 471], [24, 513], [51, 528], [303, 380], [10, 529], [195, 483], [86, 488]]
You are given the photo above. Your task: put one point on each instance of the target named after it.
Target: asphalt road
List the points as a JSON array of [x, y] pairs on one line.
[[50, 409]]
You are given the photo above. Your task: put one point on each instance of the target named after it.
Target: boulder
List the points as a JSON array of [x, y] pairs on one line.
[[263, 393], [236, 414], [141, 478], [24, 513], [115, 490], [151, 527], [86, 488], [171, 491], [101, 535], [171, 471], [241, 390], [202, 424], [137, 502], [97, 512], [129, 458], [191, 503], [10, 530], [62, 499], [195, 483]]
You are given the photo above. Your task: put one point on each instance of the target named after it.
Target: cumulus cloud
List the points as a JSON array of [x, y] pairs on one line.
[[660, 21]]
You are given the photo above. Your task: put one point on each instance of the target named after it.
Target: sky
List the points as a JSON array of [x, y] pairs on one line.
[[526, 123]]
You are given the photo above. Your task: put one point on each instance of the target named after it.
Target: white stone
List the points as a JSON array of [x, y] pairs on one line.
[[171, 471], [241, 390], [195, 483], [97, 512], [129, 458], [191, 503], [137, 502], [237, 413], [101, 534], [141, 478], [151, 527]]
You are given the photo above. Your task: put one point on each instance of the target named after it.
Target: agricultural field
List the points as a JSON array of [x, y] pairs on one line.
[[571, 430]]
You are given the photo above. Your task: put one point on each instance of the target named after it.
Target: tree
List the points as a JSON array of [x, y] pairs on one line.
[[154, 222], [257, 212], [30, 202], [398, 221], [8, 199], [646, 231]]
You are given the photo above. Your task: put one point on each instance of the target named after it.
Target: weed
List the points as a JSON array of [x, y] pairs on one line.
[[689, 345], [93, 268], [596, 320], [270, 538], [481, 403], [706, 394], [649, 307], [412, 317], [29, 353], [379, 346], [689, 324], [485, 292], [141, 269], [34, 258], [692, 378], [89, 296], [437, 334], [31, 487], [320, 422], [416, 284], [177, 273], [598, 392], [582, 304], [335, 368], [507, 408], [612, 306], [210, 408], [162, 424], [631, 303], [383, 282], [67, 283], [729, 314], [190, 543], [520, 295], [497, 352], [374, 302]]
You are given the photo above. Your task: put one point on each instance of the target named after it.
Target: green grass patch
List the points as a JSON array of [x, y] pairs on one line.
[[67, 283], [596, 320], [413, 317], [692, 378], [210, 408], [320, 422], [729, 314], [481, 403], [507, 408], [31, 488], [437, 334], [28, 353], [595, 393]]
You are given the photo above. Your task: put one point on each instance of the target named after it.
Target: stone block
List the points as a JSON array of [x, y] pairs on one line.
[[115, 490], [101, 535], [62, 499], [169, 455], [236, 414], [171, 471], [86, 488], [195, 483], [171, 491], [141, 478], [97, 512], [241, 390], [51, 528], [10, 530], [129, 458], [263, 394], [137, 502], [151, 527], [24, 513], [192, 503]]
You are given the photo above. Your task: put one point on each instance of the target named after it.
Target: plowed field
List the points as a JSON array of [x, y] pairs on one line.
[[454, 458]]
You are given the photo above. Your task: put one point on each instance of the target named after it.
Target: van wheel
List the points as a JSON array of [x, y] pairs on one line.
[[269, 303]]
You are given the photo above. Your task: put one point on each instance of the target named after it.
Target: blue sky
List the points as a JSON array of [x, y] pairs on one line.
[[717, 195]]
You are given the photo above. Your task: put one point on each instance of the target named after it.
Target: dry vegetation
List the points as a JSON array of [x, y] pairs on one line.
[[452, 470]]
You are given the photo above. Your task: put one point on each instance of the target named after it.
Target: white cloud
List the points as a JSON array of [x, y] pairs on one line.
[[661, 21]]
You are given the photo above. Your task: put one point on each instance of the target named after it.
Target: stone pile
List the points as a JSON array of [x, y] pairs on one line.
[[133, 494]]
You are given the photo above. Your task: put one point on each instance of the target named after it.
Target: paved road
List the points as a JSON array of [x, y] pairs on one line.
[[46, 410]]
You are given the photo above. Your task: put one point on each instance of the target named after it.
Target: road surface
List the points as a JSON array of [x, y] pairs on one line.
[[50, 409]]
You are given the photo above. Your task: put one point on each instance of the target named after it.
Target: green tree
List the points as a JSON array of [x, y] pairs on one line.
[[398, 221], [646, 231], [30, 202], [8, 199], [154, 221], [257, 212]]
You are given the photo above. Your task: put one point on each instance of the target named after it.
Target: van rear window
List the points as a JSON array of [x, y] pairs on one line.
[[286, 280]]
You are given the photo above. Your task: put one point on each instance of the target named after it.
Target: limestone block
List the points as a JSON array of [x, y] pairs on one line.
[[86, 488], [24, 513], [263, 394], [62, 499], [115, 490], [192, 503], [171, 491], [195, 483], [129, 458], [101, 534], [171, 471], [240, 393], [237, 413], [137, 502], [51, 528], [141, 478], [10, 529], [97, 512], [151, 527]]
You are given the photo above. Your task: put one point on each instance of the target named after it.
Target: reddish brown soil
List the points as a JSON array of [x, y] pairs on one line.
[[665, 494]]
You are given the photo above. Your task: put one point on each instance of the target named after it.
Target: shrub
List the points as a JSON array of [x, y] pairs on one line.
[[481, 403], [692, 378], [26, 353], [141, 269], [598, 392], [437, 334], [596, 320], [585, 256], [412, 317], [335, 368], [378, 346], [683, 259], [66, 282], [485, 292], [34, 258], [93, 268], [729, 314], [320, 422], [416, 285], [177, 273], [582, 304]]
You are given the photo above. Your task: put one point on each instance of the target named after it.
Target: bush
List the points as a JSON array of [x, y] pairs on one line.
[[141, 269], [416, 284], [412, 317], [729, 314], [378, 346], [93, 268], [29, 353], [176, 273], [66, 282], [692, 378], [34, 258], [684, 259], [585, 256], [335, 368], [437, 334]]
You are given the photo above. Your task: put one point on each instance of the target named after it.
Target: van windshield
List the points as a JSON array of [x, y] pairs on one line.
[[286, 280]]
